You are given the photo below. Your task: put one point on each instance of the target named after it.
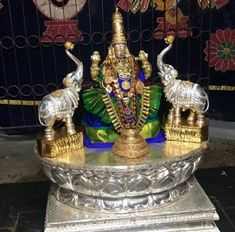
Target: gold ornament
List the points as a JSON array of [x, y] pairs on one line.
[[126, 85], [118, 28], [62, 144], [147, 68], [123, 68], [68, 82], [108, 77], [108, 80], [130, 144], [113, 114], [69, 45], [169, 39], [143, 56], [186, 132], [94, 70], [108, 89], [144, 110], [221, 88], [139, 87]]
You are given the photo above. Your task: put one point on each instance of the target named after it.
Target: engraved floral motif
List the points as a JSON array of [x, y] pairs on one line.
[[135, 182], [141, 187], [124, 204]]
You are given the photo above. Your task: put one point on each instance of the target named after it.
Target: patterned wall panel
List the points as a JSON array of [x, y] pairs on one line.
[[33, 61]]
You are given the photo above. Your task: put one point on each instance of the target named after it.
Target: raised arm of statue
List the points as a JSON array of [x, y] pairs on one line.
[[94, 70], [146, 66]]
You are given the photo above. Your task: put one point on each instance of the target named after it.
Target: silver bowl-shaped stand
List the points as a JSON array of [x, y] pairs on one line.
[[93, 190]]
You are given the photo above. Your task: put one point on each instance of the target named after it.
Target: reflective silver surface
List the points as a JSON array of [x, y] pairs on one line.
[[60, 104], [181, 94], [133, 200], [98, 180], [193, 212]]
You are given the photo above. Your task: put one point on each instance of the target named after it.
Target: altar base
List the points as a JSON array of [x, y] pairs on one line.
[[192, 212], [185, 132], [62, 143]]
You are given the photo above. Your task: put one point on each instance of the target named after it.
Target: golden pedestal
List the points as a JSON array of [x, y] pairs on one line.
[[186, 132], [61, 144], [130, 144]]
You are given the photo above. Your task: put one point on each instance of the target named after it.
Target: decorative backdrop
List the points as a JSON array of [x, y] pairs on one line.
[[33, 61]]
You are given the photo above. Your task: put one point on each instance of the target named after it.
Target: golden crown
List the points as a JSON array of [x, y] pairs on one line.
[[118, 28]]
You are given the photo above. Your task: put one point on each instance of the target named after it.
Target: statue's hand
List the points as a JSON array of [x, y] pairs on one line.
[[95, 58], [143, 57], [94, 70], [147, 69]]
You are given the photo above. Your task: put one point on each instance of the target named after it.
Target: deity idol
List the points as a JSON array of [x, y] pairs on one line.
[[122, 100]]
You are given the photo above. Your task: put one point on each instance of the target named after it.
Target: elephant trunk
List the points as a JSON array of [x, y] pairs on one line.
[[160, 64], [79, 71]]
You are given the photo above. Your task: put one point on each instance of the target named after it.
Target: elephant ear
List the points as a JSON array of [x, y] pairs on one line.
[[93, 103]]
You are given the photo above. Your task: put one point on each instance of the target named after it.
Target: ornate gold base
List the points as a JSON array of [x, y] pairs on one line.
[[186, 132], [61, 144], [130, 144]]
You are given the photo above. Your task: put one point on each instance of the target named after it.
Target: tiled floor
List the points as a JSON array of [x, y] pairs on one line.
[[219, 184], [22, 206]]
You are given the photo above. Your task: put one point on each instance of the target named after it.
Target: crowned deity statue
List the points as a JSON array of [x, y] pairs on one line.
[[122, 100]]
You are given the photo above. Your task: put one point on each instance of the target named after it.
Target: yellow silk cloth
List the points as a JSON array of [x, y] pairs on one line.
[[108, 135]]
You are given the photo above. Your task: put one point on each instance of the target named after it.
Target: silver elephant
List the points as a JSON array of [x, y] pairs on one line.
[[183, 95], [61, 103]]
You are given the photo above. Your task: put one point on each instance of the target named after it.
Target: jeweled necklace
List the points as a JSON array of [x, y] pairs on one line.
[[126, 102], [123, 69]]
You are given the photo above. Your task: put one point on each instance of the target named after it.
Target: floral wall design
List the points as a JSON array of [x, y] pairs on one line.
[[203, 51], [219, 53], [173, 22], [220, 50], [213, 3]]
